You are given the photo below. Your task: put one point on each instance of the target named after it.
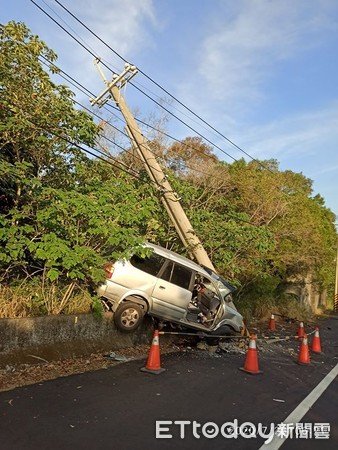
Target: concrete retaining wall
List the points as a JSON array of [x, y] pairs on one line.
[[61, 337]]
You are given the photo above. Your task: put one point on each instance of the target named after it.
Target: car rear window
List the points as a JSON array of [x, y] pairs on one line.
[[151, 264]]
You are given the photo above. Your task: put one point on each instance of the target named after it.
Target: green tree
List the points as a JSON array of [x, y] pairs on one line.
[[300, 225], [190, 157], [38, 118], [237, 248], [62, 214]]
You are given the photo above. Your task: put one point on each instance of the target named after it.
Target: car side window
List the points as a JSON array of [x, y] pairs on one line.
[[151, 264], [177, 274], [166, 274]]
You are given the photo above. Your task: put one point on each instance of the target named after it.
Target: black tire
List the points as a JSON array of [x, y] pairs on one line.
[[128, 317]]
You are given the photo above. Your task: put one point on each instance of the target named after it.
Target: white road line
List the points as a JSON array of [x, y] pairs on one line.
[[300, 411]]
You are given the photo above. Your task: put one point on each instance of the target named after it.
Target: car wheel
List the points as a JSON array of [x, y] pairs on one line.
[[128, 317]]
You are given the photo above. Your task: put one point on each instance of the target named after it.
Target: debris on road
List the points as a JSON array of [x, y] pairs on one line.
[[26, 374], [231, 347], [115, 357]]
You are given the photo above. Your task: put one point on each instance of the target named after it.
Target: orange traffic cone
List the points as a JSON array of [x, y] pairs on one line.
[[300, 332], [251, 361], [272, 323], [304, 354], [154, 360], [316, 347]]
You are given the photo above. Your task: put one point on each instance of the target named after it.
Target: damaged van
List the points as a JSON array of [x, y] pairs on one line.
[[172, 289]]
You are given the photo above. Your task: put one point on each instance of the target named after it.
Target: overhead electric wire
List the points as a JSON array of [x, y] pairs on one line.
[[202, 120], [64, 29], [72, 29], [184, 123], [105, 137], [107, 158], [108, 123], [83, 89], [163, 89], [73, 82], [96, 150], [96, 57], [117, 54], [90, 31], [128, 171], [140, 90], [119, 168]]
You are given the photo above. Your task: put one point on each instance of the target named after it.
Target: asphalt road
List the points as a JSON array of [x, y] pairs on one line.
[[117, 408]]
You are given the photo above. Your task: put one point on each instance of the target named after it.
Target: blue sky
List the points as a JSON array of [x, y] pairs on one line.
[[262, 72]]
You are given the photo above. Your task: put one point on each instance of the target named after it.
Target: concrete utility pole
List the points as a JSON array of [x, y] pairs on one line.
[[154, 170]]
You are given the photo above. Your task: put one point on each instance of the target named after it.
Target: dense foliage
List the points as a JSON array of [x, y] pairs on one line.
[[63, 214]]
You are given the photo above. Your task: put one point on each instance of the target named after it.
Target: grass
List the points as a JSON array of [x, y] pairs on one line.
[[36, 298], [32, 298], [261, 308]]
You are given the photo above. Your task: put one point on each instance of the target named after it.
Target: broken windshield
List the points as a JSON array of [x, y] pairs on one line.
[[223, 286]]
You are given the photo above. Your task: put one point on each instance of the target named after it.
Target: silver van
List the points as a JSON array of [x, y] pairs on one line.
[[171, 288]]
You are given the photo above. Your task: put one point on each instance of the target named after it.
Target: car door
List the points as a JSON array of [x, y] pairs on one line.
[[172, 292]]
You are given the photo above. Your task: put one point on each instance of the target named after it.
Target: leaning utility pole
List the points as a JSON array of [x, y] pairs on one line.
[[154, 170]]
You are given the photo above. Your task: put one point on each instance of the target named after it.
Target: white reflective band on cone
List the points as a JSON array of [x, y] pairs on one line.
[[252, 343]]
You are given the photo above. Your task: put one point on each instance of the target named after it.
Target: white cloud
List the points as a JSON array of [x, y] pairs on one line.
[[330, 169], [239, 54], [298, 134], [302, 142], [124, 26]]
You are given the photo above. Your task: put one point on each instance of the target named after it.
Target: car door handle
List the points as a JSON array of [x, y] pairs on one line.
[[161, 287]]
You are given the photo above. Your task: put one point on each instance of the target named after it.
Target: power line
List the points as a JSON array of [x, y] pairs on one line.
[[166, 160], [140, 90], [103, 120], [48, 6], [118, 164], [125, 150], [105, 160], [166, 91], [64, 29], [96, 57], [90, 31], [146, 96], [121, 57], [184, 123]]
